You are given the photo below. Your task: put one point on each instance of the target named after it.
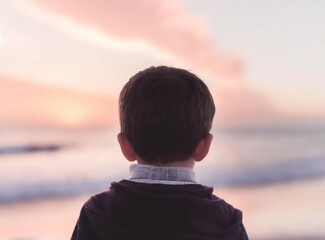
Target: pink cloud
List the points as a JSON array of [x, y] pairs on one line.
[[164, 24], [243, 106], [168, 26]]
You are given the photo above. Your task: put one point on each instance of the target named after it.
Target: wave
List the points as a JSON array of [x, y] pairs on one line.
[[293, 170], [282, 172], [29, 192], [30, 149]]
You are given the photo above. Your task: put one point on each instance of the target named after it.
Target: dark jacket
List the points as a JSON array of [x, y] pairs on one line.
[[131, 210]]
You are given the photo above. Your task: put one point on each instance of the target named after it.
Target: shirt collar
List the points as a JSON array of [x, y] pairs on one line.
[[162, 175]]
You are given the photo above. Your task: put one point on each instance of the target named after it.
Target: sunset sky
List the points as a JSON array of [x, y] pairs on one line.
[[64, 62]]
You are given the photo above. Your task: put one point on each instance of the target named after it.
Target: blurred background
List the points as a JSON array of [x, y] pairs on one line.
[[63, 64]]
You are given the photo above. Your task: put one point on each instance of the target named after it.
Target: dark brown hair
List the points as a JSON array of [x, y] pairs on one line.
[[164, 113]]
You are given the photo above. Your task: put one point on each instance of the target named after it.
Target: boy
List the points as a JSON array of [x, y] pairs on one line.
[[165, 115]]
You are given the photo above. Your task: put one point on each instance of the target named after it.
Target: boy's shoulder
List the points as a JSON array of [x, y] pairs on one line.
[[152, 208], [127, 187], [137, 198]]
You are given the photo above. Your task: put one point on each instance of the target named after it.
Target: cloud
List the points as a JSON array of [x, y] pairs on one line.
[[1, 37], [164, 24], [244, 107], [167, 26]]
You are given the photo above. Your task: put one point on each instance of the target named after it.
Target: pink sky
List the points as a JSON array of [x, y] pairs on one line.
[[34, 104], [30, 103], [79, 51]]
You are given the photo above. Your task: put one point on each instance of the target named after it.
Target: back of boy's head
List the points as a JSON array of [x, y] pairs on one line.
[[164, 113]]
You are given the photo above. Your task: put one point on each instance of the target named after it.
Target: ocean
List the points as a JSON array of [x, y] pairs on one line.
[[52, 163], [254, 167], [49, 163]]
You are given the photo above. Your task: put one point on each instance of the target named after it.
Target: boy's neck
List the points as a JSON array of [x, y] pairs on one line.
[[187, 163]]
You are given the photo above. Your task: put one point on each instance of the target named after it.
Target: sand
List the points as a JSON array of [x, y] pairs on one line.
[[288, 211], [47, 219]]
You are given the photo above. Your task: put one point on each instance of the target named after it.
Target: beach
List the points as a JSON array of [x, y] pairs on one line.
[[276, 177], [290, 211]]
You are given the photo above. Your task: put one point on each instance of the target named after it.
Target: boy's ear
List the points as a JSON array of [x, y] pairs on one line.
[[126, 148], [203, 148]]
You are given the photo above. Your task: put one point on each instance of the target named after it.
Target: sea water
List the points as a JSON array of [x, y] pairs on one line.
[[86, 161]]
